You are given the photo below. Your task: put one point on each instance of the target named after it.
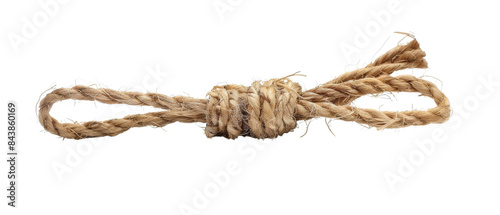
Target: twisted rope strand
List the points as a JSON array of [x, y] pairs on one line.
[[180, 109], [265, 109]]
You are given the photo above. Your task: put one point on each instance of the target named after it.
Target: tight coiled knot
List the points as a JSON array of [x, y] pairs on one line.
[[262, 110]]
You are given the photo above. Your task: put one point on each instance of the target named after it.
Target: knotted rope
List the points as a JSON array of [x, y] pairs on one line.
[[265, 109]]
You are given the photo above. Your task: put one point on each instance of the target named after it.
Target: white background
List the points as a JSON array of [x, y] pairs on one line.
[[187, 47]]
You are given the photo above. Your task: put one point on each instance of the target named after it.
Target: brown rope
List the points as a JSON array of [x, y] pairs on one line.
[[265, 109]]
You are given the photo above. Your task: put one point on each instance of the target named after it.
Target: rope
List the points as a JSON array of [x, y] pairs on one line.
[[265, 109]]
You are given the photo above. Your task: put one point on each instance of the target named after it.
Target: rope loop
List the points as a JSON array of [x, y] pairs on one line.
[[265, 109]]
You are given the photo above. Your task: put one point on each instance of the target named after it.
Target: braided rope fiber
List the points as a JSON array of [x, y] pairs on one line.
[[265, 109]]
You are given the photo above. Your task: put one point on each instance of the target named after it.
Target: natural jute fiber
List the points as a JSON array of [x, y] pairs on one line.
[[265, 109]]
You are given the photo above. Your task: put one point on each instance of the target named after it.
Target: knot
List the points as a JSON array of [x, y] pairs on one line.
[[265, 109], [262, 110]]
